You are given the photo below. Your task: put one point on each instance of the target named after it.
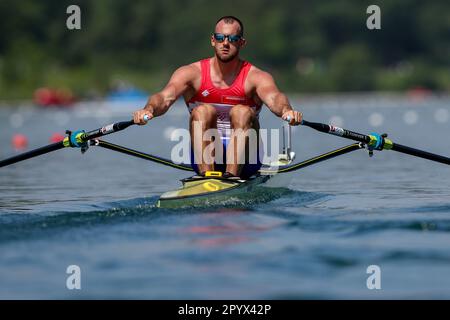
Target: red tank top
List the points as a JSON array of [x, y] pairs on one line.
[[223, 99]]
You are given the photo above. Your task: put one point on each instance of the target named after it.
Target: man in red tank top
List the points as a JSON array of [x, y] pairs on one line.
[[223, 93]]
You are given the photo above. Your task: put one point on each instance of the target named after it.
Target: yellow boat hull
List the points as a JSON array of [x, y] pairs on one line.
[[205, 192]]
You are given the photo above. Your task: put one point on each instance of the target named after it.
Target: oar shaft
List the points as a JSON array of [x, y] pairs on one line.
[[32, 153], [80, 138], [420, 153], [387, 144]]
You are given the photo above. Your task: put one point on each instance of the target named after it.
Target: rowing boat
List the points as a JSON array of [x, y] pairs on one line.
[[268, 184], [207, 191], [213, 189]]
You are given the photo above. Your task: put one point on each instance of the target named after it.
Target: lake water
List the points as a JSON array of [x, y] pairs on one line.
[[316, 240]]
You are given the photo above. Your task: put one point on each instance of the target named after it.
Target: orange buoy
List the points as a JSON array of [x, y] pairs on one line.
[[19, 142], [56, 137]]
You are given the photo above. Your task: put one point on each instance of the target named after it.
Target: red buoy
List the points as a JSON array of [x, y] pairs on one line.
[[19, 142], [56, 137]]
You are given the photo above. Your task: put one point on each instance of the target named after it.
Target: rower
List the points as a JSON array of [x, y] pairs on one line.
[[224, 94]]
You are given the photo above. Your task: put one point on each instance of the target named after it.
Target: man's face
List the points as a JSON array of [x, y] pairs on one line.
[[227, 50]]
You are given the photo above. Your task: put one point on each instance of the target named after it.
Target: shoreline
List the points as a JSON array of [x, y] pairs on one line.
[[368, 96]]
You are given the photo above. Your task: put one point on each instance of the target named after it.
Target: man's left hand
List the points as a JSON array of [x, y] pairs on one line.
[[295, 117]]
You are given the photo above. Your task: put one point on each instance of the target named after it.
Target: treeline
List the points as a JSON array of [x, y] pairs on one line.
[[309, 46]]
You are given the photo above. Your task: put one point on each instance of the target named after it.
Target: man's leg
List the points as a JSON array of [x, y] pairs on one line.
[[243, 119], [203, 117]]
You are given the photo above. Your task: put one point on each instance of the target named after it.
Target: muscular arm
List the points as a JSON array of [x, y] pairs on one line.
[[276, 101], [268, 92], [160, 102]]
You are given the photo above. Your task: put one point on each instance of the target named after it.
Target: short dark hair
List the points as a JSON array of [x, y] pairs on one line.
[[230, 20]]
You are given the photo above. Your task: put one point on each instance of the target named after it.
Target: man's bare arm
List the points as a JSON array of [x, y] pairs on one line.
[[276, 101], [160, 102]]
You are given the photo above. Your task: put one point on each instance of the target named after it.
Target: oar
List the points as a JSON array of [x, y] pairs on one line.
[[375, 141], [75, 139]]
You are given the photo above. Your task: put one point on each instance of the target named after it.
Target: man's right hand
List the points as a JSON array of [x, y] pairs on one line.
[[138, 116]]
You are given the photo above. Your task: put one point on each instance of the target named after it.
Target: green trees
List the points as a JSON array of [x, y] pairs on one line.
[[309, 45]]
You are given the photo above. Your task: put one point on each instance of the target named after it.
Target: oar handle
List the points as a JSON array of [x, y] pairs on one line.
[[325, 128], [123, 125], [288, 119], [337, 131], [103, 131]]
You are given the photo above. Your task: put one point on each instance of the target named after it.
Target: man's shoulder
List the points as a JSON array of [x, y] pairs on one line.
[[197, 65], [188, 73], [190, 68], [257, 74]]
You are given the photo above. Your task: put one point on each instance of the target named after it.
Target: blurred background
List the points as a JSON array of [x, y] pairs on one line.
[[134, 46]]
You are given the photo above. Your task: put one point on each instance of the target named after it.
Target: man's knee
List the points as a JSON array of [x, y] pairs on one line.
[[242, 115], [204, 112]]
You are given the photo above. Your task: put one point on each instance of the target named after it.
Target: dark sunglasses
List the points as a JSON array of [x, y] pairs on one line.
[[220, 37]]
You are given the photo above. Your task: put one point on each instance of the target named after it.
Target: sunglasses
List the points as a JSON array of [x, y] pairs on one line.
[[220, 37]]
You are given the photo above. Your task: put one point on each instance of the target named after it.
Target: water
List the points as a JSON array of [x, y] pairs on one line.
[[316, 240]]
